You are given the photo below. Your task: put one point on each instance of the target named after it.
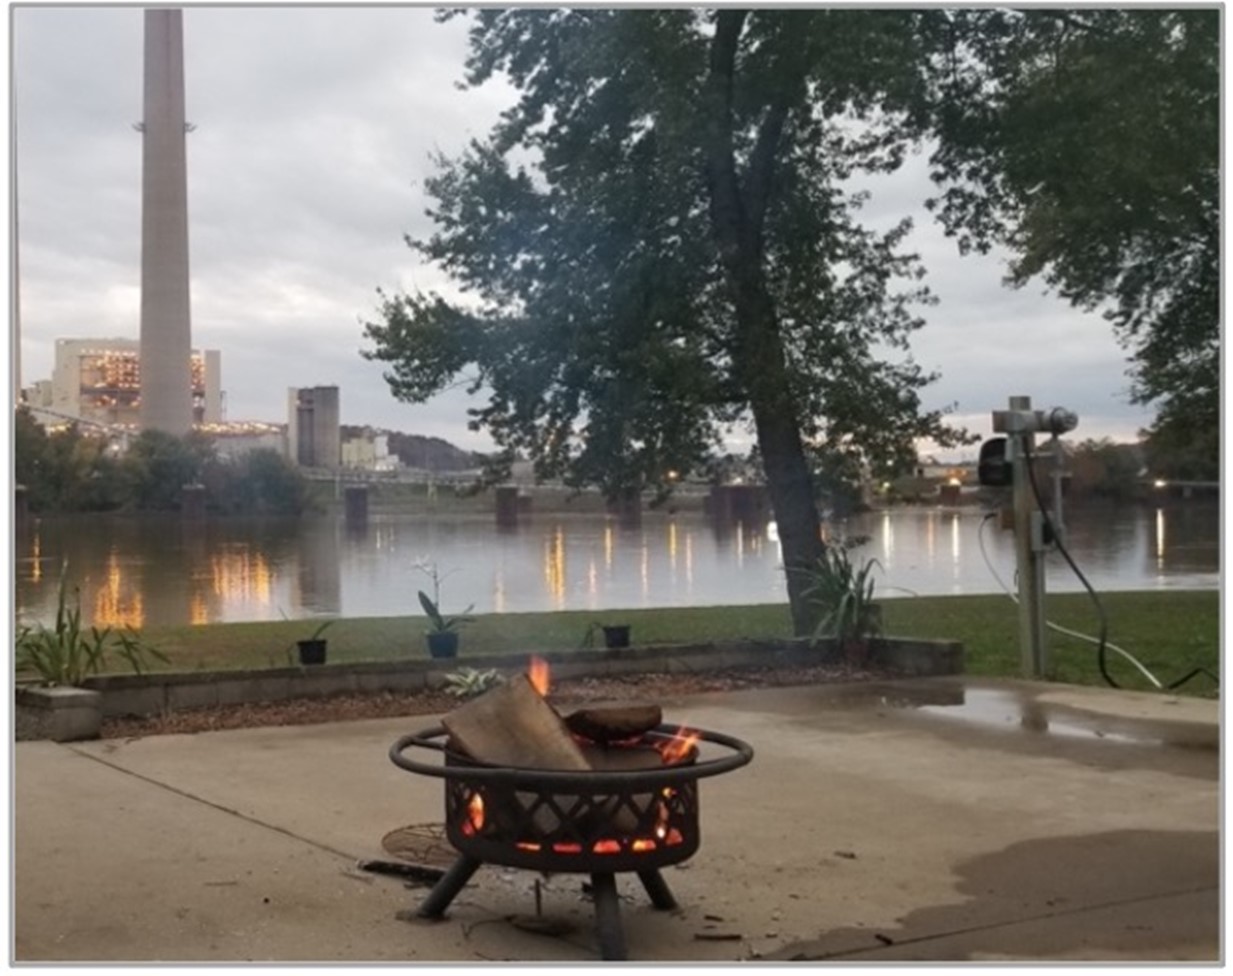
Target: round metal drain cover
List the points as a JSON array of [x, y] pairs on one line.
[[424, 844]]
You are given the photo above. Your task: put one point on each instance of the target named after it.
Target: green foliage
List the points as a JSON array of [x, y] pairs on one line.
[[1088, 142], [69, 470], [261, 481], [441, 624], [655, 244], [67, 653], [65, 470], [158, 465], [29, 448], [843, 594], [1106, 469], [469, 682], [1180, 449]]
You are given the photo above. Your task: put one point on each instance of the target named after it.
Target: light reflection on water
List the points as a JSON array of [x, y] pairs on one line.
[[143, 571]]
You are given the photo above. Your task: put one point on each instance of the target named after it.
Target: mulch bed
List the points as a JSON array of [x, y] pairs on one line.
[[349, 708]]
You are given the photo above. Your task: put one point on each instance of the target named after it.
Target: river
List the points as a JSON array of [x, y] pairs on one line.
[[164, 571]]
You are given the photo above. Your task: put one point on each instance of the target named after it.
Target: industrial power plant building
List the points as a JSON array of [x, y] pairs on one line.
[[99, 380], [313, 433]]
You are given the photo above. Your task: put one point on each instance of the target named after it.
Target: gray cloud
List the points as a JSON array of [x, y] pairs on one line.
[[314, 131]]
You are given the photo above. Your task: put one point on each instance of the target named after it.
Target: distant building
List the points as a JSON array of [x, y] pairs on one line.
[[235, 439], [99, 380], [369, 451], [313, 436]]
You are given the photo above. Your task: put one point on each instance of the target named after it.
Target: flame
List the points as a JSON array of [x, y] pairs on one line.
[[640, 845], [475, 816], [679, 746], [526, 845], [607, 847], [662, 815], [537, 674]]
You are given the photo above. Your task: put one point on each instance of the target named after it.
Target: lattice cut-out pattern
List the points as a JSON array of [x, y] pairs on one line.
[[615, 830]]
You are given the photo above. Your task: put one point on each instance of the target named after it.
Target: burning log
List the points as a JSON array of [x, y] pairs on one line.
[[513, 726], [613, 721]]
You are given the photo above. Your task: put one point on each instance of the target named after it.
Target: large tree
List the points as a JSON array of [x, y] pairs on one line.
[[1088, 142], [655, 243]]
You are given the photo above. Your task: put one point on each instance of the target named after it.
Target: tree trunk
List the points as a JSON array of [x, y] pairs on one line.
[[738, 208], [796, 514]]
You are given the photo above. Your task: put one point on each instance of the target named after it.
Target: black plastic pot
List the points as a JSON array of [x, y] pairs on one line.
[[616, 636], [443, 643], [311, 651]]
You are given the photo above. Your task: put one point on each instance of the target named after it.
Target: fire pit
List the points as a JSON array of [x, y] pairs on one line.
[[635, 810]]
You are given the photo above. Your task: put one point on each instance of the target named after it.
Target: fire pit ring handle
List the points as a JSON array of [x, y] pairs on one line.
[[741, 754]]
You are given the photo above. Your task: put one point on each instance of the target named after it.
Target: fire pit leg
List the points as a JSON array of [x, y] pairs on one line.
[[657, 888], [608, 917], [444, 891]]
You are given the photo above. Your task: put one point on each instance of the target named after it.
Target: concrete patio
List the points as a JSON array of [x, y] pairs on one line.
[[924, 819]]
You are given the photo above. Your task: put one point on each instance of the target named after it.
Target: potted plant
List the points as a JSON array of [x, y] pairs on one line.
[[615, 635], [843, 593], [442, 633], [312, 649]]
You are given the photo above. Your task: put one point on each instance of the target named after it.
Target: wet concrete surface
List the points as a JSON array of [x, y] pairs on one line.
[[936, 819]]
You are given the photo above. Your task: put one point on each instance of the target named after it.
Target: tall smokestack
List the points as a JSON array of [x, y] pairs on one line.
[[166, 329]]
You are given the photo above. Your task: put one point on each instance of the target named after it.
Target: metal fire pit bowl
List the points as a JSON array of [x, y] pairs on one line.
[[596, 821]]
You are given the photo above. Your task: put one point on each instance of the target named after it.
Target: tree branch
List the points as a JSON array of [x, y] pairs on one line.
[[762, 164], [1070, 20]]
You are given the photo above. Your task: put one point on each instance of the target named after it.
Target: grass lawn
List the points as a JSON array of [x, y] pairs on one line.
[[1169, 632]]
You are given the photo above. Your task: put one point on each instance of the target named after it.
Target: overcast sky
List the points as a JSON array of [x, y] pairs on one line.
[[306, 169]]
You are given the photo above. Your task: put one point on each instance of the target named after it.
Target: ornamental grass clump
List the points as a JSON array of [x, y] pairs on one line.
[[66, 654], [843, 595], [469, 682]]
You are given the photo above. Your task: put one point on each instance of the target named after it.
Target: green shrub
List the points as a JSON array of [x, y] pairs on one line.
[[843, 595], [469, 682]]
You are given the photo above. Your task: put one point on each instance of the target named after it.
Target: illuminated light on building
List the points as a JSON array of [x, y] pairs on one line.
[[99, 380]]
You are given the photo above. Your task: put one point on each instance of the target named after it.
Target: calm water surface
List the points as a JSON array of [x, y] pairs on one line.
[[155, 571]]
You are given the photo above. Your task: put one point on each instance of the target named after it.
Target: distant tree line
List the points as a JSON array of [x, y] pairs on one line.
[[70, 470]]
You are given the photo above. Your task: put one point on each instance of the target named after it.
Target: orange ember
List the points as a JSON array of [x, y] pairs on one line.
[[679, 746], [475, 816], [607, 847], [537, 673]]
